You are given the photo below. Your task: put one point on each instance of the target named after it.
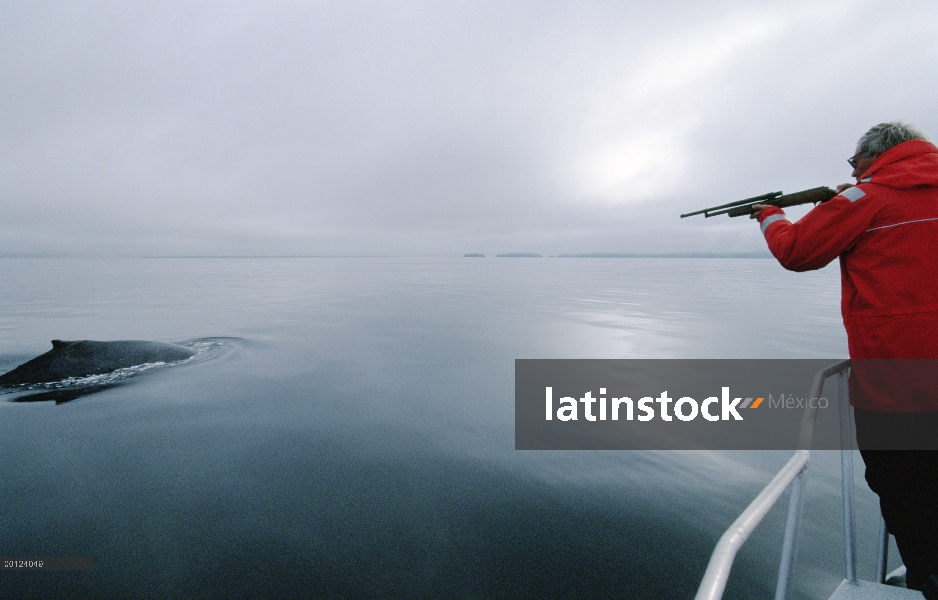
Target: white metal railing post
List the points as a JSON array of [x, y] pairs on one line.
[[846, 472], [790, 543], [882, 552]]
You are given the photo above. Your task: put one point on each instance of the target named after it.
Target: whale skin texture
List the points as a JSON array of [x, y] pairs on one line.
[[86, 357]]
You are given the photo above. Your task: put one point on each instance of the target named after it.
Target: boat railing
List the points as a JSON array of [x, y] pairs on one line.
[[791, 476]]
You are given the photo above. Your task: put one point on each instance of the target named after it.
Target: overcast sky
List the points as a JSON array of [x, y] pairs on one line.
[[435, 128]]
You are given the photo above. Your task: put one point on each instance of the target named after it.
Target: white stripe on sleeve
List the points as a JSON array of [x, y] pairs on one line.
[[772, 219]]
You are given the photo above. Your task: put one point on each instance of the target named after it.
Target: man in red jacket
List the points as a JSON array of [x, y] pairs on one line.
[[884, 230]]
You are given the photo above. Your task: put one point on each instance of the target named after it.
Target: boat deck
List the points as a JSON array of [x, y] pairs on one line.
[[867, 590]]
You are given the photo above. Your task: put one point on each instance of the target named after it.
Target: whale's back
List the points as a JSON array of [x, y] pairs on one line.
[[87, 357]]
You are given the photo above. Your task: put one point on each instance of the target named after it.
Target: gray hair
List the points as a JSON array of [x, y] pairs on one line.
[[884, 136]]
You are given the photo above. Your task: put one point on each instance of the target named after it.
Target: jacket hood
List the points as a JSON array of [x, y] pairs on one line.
[[906, 165]]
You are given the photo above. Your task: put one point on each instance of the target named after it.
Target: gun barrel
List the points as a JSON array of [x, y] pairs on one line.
[[709, 212]]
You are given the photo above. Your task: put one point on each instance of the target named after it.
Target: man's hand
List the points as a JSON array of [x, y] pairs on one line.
[[842, 187], [757, 210]]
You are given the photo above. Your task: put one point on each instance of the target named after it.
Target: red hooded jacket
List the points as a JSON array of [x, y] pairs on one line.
[[885, 231]]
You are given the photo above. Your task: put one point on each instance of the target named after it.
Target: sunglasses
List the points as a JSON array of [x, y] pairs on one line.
[[852, 161]]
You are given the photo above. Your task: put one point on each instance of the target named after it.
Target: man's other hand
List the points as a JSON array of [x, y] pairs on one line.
[[757, 210], [843, 186]]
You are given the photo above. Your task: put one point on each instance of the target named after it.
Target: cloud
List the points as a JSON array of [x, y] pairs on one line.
[[419, 127]]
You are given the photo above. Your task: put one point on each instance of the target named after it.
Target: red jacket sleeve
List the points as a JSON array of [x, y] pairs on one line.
[[819, 237]]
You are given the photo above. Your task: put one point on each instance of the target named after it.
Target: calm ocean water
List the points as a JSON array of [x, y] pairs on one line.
[[352, 437]]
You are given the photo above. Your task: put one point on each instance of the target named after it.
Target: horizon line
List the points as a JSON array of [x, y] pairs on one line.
[[529, 255]]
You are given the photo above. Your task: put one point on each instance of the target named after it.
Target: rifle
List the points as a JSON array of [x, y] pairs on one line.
[[744, 207]]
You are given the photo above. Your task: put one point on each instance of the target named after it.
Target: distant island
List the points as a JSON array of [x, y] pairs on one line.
[[473, 255], [518, 255]]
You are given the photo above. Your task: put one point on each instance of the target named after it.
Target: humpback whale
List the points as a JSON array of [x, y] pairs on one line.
[[86, 357]]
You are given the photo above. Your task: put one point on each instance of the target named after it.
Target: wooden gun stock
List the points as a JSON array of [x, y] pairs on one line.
[[814, 196]]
